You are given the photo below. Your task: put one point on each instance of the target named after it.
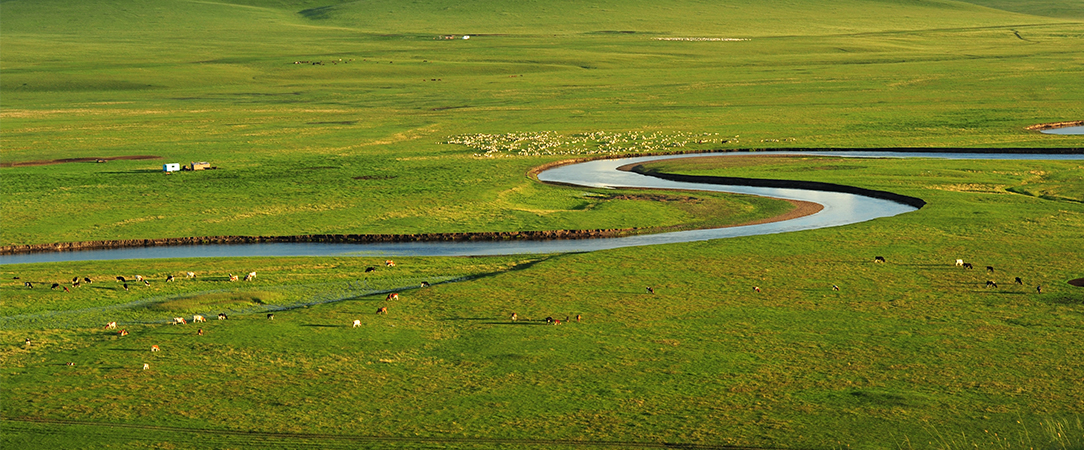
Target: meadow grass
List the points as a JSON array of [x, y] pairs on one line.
[[915, 353], [359, 146]]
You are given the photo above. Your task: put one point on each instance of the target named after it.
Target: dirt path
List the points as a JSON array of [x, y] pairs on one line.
[[45, 162]]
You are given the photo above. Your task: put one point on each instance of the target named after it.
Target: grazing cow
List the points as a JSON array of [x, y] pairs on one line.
[[233, 277], [425, 284], [169, 278], [123, 332], [251, 276], [1039, 289], [369, 269], [139, 277], [70, 363], [146, 283], [27, 342], [111, 326], [198, 318], [190, 274], [271, 316], [835, 288], [650, 290], [122, 280], [968, 266], [146, 366], [549, 320], [179, 320], [55, 285], [879, 259], [959, 262], [578, 317], [66, 289], [222, 316], [756, 288], [389, 263], [154, 348], [75, 280], [990, 269], [357, 323], [515, 317], [87, 280], [75, 284], [125, 286], [27, 284], [1019, 281], [392, 296], [200, 332], [990, 283], [382, 310]]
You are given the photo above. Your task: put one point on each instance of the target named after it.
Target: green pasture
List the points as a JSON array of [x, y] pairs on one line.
[[367, 142], [399, 130], [913, 353]]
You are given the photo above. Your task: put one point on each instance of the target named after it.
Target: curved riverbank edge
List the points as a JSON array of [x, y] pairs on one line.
[[321, 238], [762, 151], [788, 184], [1054, 125]]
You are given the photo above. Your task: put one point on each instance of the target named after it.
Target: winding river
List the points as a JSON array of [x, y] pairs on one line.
[[839, 209]]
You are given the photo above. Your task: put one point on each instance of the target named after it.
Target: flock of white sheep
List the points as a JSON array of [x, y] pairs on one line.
[[538, 143]]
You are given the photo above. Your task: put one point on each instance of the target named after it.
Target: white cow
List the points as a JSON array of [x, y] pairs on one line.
[[357, 323], [198, 318], [111, 326], [179, 320], [959, 262]]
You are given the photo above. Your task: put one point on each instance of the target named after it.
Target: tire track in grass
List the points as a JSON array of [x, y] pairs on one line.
[[136, 311], [292, 438]]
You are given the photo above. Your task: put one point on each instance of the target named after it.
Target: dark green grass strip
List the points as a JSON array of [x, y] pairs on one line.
[[9, 422]]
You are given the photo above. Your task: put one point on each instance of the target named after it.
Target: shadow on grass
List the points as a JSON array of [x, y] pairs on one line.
[[492, 321], [1067, 300]]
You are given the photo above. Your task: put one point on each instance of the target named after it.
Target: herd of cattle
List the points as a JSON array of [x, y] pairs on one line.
[[393, 296]]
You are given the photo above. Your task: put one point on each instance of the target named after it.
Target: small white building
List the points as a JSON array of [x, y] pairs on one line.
[[171, 167]]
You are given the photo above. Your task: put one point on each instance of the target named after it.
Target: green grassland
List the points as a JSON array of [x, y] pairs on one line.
[[914, 353], [359, 146], [384, 137]]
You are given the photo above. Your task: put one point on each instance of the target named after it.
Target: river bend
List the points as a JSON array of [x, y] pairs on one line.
[[839, 209]]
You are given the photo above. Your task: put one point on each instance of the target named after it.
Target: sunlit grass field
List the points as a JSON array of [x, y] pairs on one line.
[[358, 144], [385, 136]]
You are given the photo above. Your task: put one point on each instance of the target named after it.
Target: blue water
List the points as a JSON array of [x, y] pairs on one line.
[[1065, 130], [839, 209]]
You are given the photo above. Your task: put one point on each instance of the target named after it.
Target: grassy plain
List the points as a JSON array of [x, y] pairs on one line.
[[356, 147], [911, 354]]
